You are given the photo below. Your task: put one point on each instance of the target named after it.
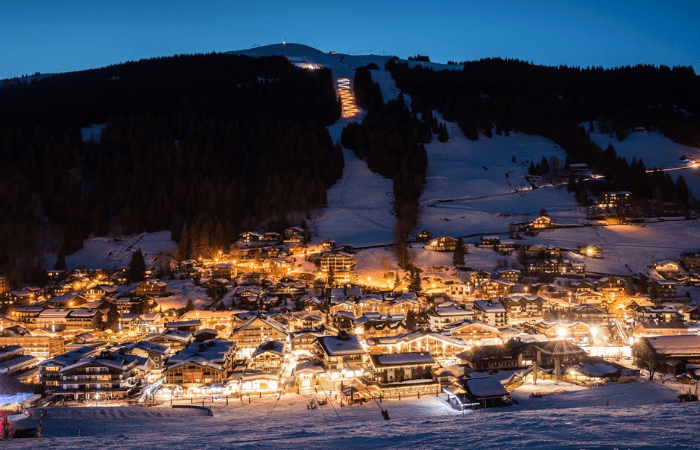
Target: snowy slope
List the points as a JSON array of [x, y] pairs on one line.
[[657, 151], [467, 190], [107, 253], [640, 415]]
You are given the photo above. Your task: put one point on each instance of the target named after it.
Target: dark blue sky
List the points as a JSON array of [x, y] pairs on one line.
[[59, 36]]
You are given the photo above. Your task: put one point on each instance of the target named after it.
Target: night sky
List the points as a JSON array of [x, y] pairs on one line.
[[59, 36]]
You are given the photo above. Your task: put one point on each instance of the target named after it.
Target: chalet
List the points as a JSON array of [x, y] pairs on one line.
[[302, 320], [442, 244], [255, 332], [100, 291], [555, 329], [200, 363], [663, 313], [478, 276], [610, 285], [669, 354], [489, 242], [49, 369], [151, 288], [511, 275], [249, 236], [38, 346], [268, 357], [14, 358], [542, 222], [404, 304], [27, 315], [303, 342], [517, 354], [591, 251], [402, 373], [341, 354], [689, 261], [84, 318], [524, 307], [474, 333], [490, 312], [496, 288], [105, 375], [338, 261], [442, 347], [667, 269], [459, 290], [482, 392], [614, 199], [425, 236], [296, 248], [439, 317], [157, 353], [3, 285], [270, 236], [556, 267], [293, 232], [175, 339], [327, 245], [589, 313], [664, 289], [505, 247], [542, 252], [53, 319], [306, 374], [67, 301], [224, 270], [375, 326]]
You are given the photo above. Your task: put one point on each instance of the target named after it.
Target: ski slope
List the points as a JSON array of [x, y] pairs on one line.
[[639, 415]]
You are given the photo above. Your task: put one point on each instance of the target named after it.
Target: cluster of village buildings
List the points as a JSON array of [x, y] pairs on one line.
[[270, 327]]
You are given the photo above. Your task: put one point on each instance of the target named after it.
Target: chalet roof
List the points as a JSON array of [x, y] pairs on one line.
[[402, 359], [341, 346], [269, 322], [675, 345], [415, 335], [309, 367], [183, 323], [213, 350], [71, 357], [113, 360], [174, 335], [198, 360], [274, 347], [479, 388], [489, 306]]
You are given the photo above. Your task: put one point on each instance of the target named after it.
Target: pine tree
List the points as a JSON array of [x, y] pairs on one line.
[[60, 261], [137, 266], [629, 288], [112, 320], [189, 306], [458, 255]]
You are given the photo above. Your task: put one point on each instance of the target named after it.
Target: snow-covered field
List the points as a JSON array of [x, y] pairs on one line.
[[470, 185], [108, 253], [639, 415]]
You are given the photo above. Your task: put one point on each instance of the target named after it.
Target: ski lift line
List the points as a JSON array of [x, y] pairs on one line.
[[329, 401], [384, 411]]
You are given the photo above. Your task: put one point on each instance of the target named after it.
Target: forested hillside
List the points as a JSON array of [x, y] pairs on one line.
[[217, 143], [496, 96]]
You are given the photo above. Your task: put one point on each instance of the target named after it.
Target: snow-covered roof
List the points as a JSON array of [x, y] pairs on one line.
[[337, 346], [484, 387], [675, 345], [402, 359]]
